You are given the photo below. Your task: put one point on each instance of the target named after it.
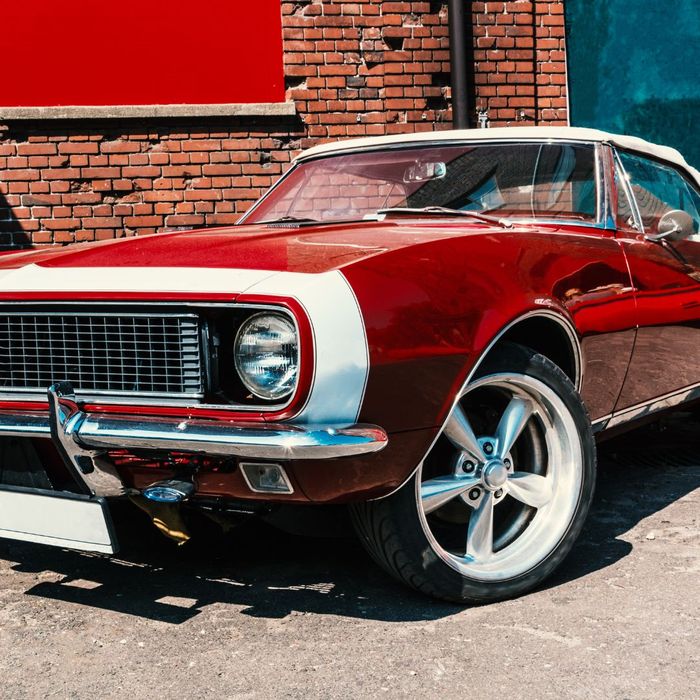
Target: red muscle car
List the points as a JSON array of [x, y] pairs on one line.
[[431, 328]]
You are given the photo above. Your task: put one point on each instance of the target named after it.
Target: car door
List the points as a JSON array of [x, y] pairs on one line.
[[665, 364]]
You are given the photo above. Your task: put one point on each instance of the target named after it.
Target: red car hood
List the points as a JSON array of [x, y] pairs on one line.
[[254, 247], [224, 261]]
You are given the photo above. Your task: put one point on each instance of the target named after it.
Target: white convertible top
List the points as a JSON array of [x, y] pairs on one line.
[[513, 133]]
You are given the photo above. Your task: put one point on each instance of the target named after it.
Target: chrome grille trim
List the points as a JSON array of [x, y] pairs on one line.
[[102, 353]]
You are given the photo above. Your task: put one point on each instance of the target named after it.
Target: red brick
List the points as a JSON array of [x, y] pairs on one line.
[[139, 221], [71, 147], [19, 175], [36, 149], [100, 172], [102, 222], [119, 147], [184, 220], [59, 224]]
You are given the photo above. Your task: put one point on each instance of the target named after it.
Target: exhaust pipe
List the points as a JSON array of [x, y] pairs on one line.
[[169, 491]]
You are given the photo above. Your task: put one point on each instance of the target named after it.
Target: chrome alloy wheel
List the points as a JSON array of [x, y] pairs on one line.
[[499, 497]]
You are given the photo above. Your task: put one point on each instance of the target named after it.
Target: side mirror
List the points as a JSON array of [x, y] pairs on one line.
[[673, 224]]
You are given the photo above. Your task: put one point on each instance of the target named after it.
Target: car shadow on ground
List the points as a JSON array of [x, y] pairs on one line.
[[270, 573]]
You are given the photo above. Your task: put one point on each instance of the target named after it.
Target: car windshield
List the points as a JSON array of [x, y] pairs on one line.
[[522, 181]]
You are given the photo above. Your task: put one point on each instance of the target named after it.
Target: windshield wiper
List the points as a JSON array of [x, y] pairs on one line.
[[290, 220], [304, 221], [446, 211]]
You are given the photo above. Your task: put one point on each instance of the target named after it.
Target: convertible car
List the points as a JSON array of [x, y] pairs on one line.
[[434, 329]]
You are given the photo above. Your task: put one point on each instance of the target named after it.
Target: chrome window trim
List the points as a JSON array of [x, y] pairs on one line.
[[600, 192], [606, 174], [446, 142], [267, 193], [599, 223], [625, 179], [131, 398]]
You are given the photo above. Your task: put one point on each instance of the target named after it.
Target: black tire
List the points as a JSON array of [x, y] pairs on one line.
[[392, 529]]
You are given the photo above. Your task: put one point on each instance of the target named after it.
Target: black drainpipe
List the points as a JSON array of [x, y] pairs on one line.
[[461, 49]]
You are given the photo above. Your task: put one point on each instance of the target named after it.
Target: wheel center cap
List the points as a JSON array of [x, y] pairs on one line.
[[495, 475]]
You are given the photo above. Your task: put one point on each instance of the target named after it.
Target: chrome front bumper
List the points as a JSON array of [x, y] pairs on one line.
[[82, 437]]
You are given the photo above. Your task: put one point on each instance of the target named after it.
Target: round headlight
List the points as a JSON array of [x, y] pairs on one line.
[[266, 354]]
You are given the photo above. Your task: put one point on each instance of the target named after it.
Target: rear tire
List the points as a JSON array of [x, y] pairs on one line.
[[502, 496]]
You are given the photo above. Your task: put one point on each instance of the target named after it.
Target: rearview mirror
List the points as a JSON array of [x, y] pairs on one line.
[[673, 224], [421, 172]]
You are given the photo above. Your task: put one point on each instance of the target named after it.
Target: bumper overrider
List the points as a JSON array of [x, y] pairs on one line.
[[82, 521]]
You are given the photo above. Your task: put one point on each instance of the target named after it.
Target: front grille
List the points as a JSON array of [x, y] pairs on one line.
[[102, 353]]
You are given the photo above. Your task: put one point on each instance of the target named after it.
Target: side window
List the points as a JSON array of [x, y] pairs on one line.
[[658, 189]]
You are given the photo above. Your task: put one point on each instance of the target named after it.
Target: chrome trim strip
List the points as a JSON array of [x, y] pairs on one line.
[[558, 222], [82, 436], [599, 424], [604, 165], [669, 400], [71, 304], [266, 441]]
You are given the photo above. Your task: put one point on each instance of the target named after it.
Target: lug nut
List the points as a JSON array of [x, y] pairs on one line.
[[488, 448], [506, 462], [474, 494], [468, 467], [498, 493]]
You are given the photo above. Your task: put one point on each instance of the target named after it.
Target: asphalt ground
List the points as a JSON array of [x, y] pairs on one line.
[[260, 613]]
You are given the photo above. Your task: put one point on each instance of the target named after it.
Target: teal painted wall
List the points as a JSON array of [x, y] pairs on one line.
[[634, 68]]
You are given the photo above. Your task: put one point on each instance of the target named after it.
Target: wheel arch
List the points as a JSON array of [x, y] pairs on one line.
[[561, 342], [548, 333]]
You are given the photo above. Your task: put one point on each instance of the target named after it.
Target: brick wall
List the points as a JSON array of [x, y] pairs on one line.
[[352, 68], [520, 61]]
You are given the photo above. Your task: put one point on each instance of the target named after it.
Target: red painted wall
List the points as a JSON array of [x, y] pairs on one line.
[[82, 52]]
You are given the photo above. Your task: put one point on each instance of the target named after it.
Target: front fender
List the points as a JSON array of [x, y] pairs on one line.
[[431, 312]]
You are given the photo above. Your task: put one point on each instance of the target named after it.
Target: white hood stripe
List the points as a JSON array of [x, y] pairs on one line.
[[36, 278]]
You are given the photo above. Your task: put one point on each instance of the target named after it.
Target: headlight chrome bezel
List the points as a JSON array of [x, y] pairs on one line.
[[288, 389]]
